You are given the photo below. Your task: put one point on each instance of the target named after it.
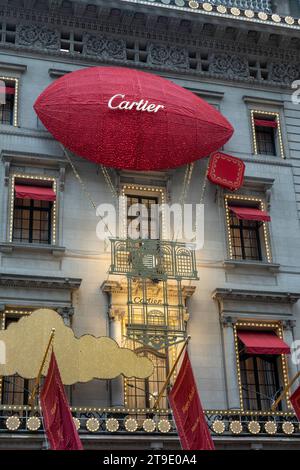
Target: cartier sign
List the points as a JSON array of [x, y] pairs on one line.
[[119, 102], [140, 300]]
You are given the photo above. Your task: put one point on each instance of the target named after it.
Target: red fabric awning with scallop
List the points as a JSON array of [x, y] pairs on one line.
[[263, 342]]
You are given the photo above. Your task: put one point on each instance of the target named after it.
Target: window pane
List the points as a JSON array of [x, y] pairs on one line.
[[260, 381], [245, 239], [147, 226], [7, 103], [32, 221], [265, 140]]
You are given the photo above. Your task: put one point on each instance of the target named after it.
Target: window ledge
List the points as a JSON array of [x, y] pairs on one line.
[[6, 247], [233, 264]]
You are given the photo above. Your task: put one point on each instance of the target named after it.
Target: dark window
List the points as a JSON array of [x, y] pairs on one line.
[[265, 139], [260, 381], [32, 221], [147, 212], [143, 393], [245, 238], [15, 389], [7, 102]]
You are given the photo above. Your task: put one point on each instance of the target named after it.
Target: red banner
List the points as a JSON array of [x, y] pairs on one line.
[[295, 401], [58, 420], [188, 412]]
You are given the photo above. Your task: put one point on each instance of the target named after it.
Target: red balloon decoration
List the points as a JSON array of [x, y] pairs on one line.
[[226, 171], [127, 119]]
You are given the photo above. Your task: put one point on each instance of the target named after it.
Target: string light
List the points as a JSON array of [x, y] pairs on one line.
[[255, 112], [145, 189], [265, 228], [16, 98], [279, 332], [12, 201]]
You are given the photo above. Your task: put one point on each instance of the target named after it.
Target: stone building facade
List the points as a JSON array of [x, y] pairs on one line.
[[243, 58]]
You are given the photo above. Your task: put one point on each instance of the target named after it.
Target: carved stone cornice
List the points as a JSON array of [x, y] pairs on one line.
[[111, 38], [256, 296], [116, 287], [38, 282], [16, 68]]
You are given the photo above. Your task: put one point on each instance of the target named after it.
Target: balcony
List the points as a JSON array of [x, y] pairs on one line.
[[153, 259], [120, 426]]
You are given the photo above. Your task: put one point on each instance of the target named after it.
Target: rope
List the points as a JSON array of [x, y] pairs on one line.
[[83, 187], [109, 181], [77, 175], [186, 182]]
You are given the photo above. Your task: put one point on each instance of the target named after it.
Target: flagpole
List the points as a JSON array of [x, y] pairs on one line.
[[37, 380], [286, 389], [171, 373]]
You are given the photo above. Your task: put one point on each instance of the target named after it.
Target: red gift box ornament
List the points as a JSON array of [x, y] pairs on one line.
[[226, 171]]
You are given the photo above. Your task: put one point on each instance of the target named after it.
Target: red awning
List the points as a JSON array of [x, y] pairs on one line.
[[7, 90], [265, 123], [263, 342], [39, 193], [250, 213]]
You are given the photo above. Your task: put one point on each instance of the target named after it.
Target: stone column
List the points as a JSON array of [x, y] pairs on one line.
[[231, 377], [66, 313], [288, 336], [117, 385]]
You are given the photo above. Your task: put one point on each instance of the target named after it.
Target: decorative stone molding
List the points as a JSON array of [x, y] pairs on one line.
[[284, 72], [254, 265], [193, 52], [115, 287], [66, 313], [15, 68], [116, 313], [289, 324], [103, 47], [37, 36], [54, 250], [256, 295], [230, 66], [6, 172], [227, 321], [169, 56], [38, 282]]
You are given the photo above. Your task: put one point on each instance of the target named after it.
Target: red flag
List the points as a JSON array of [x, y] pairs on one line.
[[295, 401], [188, 412], [58, 421]]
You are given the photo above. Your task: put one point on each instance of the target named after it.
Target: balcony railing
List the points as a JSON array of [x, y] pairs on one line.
[[153, 259], [99, 421]]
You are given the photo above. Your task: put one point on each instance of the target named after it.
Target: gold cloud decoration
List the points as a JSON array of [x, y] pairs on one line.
[[79, 359]]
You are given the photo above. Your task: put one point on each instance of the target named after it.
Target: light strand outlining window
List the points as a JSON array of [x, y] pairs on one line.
[[260, 380], [245, 238], [8, 101], [33, 209], [267, 133]]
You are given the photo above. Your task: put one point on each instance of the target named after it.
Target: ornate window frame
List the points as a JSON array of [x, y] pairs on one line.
[[255, 325], [262, 206], [277, 117], [139, 189], [16, 101], [35, 177]]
